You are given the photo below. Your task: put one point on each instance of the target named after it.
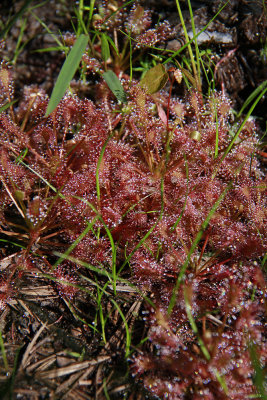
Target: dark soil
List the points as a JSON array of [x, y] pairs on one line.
[[236, 38]]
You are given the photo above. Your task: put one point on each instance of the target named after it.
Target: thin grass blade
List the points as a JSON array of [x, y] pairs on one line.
[[105, 52], [193, 247], [7, 105], [3, 351], [188, 309], [241, 127], [259, 377], [14, 19], [112, 45], [115, 86], [250, 98], [67, 72]]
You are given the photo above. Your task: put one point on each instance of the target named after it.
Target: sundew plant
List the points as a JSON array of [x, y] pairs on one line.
[[146, 204]]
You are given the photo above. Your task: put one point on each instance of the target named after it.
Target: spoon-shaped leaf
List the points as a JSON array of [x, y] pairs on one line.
[[67, 72]]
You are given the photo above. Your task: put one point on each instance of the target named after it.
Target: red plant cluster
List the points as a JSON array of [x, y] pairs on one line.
[[151, 170]]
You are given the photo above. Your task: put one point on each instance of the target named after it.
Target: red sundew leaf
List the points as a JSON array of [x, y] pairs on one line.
[[162, 114]]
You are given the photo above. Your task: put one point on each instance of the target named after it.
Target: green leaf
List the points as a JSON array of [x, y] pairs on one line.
[[240, 129], [92, 5], [67, 72], [3, 351], [55, 48], [259, 377], [105, 52], [115, 86], [253, 95], [155, 79], [7, 105], [113, 45]]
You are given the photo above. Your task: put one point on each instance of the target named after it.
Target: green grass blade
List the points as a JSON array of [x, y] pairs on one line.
[[42, 179], [131, 60], [128, 335], [113, 247], [91, 11], [186, 195], [118, 10], [67, 72], [76, 242], [105, 390], [150, 230], [20, 47], [91, 267], [105, 52], [47, 29], [135, 205], [221, 381], [193, 247], [115, 85], [241, 127], [80, 19], [48, 49], [103, 272], [194, 327], [6, 388], [192, 58], [12, 243], [195, 40], [3, 351], [250, 98], [100, 312], [14, 19], [77, 316], [258, 371], [175, 53], [264, 262], [101, 292], [7, 105], [113, 45], [201, 343], [98, 168]]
